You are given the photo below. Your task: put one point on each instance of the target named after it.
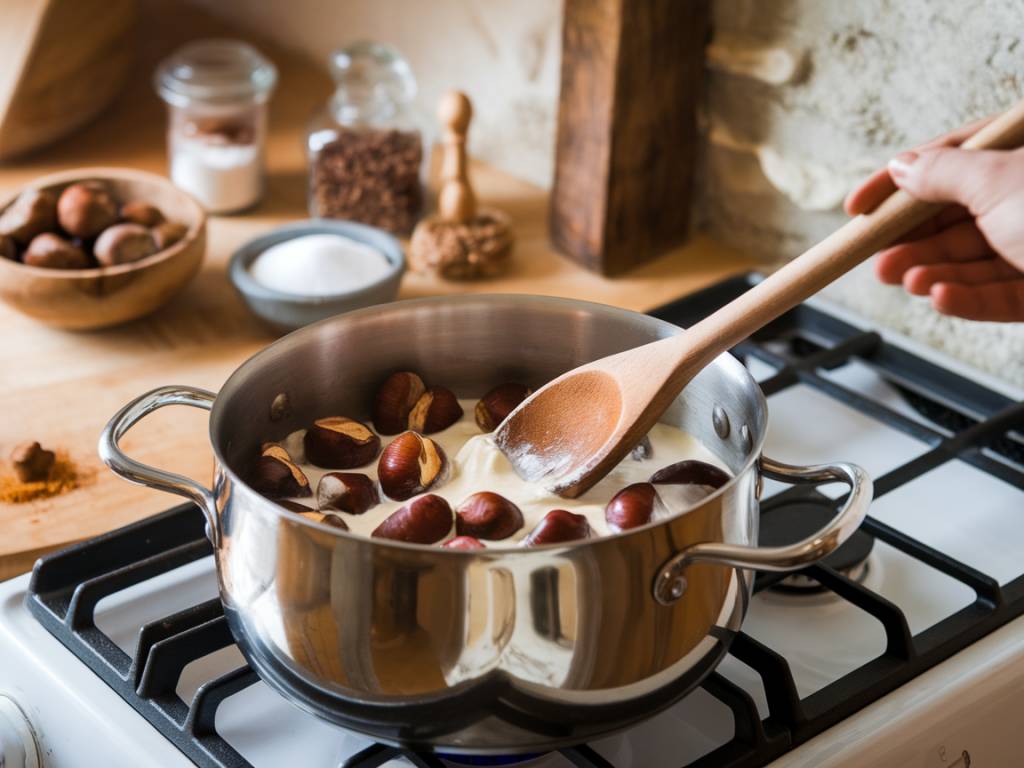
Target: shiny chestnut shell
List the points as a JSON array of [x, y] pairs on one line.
[[487, 515], [557, 526], [424, 520]]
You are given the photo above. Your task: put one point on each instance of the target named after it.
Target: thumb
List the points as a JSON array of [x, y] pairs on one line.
[[949, 175]]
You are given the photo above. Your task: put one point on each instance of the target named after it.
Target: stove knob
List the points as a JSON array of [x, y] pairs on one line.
[[18, 747]]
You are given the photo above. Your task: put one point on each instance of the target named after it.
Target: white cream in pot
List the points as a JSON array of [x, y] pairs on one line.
[[476, 464]]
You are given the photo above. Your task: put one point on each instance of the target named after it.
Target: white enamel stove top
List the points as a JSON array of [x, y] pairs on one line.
[[971, 703]]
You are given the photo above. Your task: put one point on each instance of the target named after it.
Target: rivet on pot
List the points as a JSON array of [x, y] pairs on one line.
[[720, 420], [280, 407], [677, 587], [746, 442]]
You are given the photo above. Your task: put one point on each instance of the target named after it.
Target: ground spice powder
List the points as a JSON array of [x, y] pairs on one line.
[[64, 476]]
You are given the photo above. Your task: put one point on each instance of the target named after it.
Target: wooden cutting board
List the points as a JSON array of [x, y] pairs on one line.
[[61, 388]]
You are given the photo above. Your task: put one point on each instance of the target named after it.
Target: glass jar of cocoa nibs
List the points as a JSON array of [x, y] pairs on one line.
[[365, 148]]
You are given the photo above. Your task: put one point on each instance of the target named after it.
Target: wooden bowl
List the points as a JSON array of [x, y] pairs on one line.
[[82, 299]]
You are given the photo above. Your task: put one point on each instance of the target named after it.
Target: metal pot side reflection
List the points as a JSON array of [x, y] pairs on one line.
[[485, 651]]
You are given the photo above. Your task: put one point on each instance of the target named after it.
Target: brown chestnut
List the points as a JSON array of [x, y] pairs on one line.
[[275, 476], [32, 462], [424, 520], [8, 248], [123, 243], [463, 542], [558, 525], [487, 515], [631, 507], [54, 252], [337, 442], [34, 212], [690, 472], [294, 506], [139, 212], [436, 409], [85, 209], [411, 464], [395, 398], [498, 403], [167, 234], [350, 492]]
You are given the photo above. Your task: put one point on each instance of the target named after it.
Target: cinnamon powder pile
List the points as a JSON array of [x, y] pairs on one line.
[[64, 476]]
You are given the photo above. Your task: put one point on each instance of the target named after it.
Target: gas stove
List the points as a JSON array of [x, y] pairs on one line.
[[906, 647]]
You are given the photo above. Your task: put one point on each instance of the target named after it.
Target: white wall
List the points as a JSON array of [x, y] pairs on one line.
[[504, 54]]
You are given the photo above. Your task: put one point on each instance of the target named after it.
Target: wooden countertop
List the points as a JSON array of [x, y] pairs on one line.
[[61, 388]]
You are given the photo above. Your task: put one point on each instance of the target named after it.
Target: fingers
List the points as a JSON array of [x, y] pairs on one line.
[[879, 185], [919, 280], [1001, 302], [866, 197], [958, 243], [945, 175]]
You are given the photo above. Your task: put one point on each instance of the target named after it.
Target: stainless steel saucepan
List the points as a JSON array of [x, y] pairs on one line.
[[496, 650]]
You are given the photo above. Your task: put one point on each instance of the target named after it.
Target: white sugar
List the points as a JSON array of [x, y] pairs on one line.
[[319, 265]]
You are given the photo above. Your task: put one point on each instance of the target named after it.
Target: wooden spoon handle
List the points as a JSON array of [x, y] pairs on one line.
[[832, 257]]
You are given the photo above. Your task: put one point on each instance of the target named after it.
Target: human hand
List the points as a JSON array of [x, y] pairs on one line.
[[969, 259]]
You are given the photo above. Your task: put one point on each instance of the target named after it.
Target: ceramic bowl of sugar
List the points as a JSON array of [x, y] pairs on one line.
[[304, 272]]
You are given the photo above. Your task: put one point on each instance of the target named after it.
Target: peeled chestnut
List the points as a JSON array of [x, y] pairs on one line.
[[86, 209], [558, 525], [690, 472], [336, 442], [631, 507], [346, 492], [54, 252], [498, 403], [487, 515], [395, 398], [424, 520], [32, 463], [411, 464], [463, 542], [274, 475], [436, 409], [123, 243], [34, 212], [139, 212], [167, 234]]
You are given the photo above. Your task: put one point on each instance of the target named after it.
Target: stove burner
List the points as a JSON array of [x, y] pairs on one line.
[[791, 519]]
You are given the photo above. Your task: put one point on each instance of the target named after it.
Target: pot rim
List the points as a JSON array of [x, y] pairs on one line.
[[519, 299]]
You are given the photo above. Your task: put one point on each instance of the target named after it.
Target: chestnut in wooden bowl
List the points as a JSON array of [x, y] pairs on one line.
[[97, 297]]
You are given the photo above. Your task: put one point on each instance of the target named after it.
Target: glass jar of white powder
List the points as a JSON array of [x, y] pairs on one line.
[[216, 93]]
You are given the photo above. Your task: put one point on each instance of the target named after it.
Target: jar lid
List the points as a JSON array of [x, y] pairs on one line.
[[372, 81], [215, 72]]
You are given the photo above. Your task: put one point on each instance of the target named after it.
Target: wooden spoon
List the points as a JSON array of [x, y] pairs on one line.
[[573, 431]]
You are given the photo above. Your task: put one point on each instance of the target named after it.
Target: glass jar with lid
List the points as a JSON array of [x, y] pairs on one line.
[[365, 148], [216, 93]]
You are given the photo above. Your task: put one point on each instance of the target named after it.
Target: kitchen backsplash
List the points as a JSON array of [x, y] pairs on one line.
[[846, 86]]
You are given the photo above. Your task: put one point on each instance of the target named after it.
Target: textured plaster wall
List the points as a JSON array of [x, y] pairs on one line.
[[503, 53], [871, 77], [879, 76]]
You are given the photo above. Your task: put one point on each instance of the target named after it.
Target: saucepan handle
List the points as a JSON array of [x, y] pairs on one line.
[[143, 474], [670, 583]]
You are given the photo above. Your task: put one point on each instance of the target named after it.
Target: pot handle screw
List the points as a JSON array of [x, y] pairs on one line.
[[670, 583], [143, 474]]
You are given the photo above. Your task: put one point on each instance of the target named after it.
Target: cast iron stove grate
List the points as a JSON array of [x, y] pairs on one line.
[[971, 423]]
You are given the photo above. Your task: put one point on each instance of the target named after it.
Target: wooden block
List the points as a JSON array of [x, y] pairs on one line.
[[627, 129]]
